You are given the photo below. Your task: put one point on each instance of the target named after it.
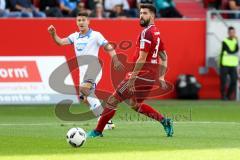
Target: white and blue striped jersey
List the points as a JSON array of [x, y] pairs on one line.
[[87, 44]]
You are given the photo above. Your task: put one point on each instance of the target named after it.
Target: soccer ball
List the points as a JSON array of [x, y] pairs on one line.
[[76, 137]]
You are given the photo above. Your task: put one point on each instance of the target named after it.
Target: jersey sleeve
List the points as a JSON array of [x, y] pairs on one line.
[[71, 38], [161, 46], [145, 41], [101, 40]]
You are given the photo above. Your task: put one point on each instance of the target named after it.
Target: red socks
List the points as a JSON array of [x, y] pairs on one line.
[[107, 114], [150, 112]]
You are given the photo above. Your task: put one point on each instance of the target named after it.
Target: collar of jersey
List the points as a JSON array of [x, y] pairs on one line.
[[150, 25], [85, 35]]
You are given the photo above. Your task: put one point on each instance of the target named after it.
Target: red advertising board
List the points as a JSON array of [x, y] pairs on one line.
[[184, 41]]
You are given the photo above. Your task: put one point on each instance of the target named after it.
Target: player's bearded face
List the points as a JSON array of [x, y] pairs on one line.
[[145, 17], [144, 22]]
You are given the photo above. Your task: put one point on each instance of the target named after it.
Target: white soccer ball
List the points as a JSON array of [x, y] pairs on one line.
[[76, 137]]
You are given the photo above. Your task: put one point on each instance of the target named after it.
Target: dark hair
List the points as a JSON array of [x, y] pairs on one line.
[[84, 14], [231, 28], [151, 7]]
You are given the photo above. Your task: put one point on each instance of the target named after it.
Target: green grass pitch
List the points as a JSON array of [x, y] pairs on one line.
[[204, 130]]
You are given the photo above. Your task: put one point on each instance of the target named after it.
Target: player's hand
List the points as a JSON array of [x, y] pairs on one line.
[[52, 30], [118, 66], [163, 83], [131, 85]]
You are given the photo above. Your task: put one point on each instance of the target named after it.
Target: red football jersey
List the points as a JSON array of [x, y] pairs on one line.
[[150, 42]]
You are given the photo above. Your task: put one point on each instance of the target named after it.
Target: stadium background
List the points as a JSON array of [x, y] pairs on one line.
[[204, 129], [184, 41]]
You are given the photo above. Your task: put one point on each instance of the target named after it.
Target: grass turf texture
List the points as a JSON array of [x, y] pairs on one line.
[[204, 130]]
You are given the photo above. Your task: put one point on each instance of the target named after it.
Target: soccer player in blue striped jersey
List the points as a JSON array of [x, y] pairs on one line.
[[87, 42]]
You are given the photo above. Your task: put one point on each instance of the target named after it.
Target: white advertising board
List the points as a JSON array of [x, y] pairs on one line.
[[25, 80]]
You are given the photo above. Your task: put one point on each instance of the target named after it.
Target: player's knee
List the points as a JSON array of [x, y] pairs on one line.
[[85, 91], [133, 104], [112, 101]]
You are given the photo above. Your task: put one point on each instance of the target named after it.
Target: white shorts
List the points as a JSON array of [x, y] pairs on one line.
[[95, 77]]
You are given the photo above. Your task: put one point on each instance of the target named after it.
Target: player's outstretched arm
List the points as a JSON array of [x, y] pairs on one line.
[[162, 68], [59, 41], [111, 51], [163, 64]]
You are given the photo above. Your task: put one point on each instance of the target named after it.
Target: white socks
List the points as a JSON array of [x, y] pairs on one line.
[[95, 104]]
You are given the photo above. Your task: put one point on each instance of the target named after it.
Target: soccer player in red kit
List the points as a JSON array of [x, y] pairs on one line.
[[138, 84]]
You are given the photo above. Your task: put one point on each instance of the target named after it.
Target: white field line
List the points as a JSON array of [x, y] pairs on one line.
[[125, 122]]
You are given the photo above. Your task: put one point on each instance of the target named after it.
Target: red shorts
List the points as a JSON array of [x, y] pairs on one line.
[[143, 87]]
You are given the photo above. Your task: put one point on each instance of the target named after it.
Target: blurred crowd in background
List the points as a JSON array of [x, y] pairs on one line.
[[100, 8]]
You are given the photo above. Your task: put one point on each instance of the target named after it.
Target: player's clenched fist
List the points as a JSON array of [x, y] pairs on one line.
[[51, 30]]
